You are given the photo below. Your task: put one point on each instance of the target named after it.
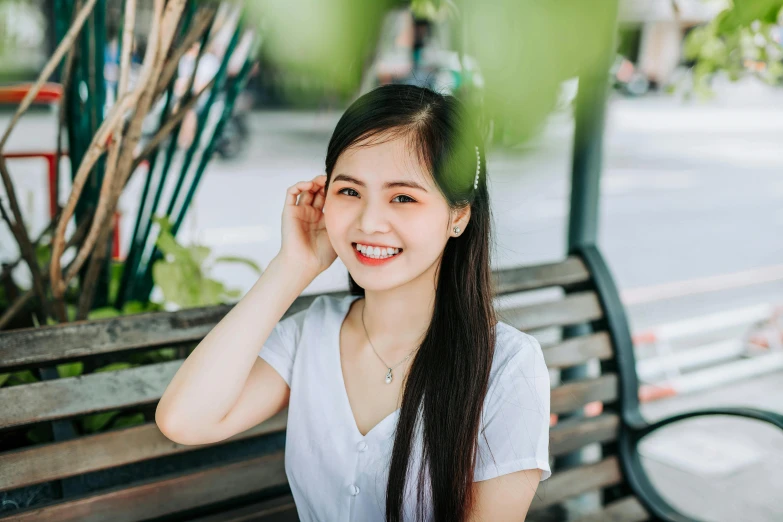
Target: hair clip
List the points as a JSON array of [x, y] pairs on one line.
[[478, 167]]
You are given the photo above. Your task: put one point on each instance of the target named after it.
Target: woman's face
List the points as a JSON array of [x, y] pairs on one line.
[[381, 196]]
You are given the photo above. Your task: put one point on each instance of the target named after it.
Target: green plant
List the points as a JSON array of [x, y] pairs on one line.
[[738, 41], [183, 273]]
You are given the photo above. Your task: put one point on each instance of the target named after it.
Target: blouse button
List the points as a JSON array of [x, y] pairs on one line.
[[361, 446], [354, 489]]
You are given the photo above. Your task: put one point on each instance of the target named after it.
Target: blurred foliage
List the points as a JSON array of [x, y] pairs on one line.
[[182, 274], [524, 49], [22, 39], [322, 39], [738, 41]]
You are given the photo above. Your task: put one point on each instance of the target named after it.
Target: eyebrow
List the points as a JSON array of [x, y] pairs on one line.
[[387, 185]]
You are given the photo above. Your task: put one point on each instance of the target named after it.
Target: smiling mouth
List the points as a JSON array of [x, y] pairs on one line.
[[369, 253]]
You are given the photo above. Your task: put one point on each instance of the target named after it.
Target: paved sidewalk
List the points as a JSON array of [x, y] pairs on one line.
[[725, 469]]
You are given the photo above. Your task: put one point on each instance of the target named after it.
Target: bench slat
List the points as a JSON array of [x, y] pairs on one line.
[[578, 350], [102, 391], [568, 483], [281, 509], [576, 308], [29, 347], [104, 450], [628, 509], [36, 346], [171, 495], [130, 445], [575, 394], [577, 432], [564, 273]]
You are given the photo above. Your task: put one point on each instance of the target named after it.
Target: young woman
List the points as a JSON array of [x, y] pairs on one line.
[[407, 399]]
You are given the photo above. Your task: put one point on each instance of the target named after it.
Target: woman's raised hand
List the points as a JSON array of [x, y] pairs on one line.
[[303, 228]]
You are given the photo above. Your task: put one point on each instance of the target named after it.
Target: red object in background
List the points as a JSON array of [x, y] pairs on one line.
[[50, 159], [49, 93], [14, 94]]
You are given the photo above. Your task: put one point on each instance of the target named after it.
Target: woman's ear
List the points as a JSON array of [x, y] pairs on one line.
[[460, 218]]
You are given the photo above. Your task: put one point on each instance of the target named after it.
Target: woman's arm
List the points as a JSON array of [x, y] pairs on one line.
[[224, 387], [507, 497]]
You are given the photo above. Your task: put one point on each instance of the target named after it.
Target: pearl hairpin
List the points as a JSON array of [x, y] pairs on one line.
[[478, 167]]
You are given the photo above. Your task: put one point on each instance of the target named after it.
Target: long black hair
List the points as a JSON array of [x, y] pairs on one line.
[[449, 376]]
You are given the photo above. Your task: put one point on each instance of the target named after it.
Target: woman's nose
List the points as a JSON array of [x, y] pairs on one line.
[[373, 218]]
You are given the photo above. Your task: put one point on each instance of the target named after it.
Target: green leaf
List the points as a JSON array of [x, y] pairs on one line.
[[43, 253], [182, 274], [211, 292], [71, 310], [135, 307], [4, 377], [116, 268], [744, 12], [199, 254], [241, 260], [115, 366], [103, 313], [153, 356], [234, 293], [97, 421], [73, 369], [125, 421], [167, 354], [39, 434], [22, 377]]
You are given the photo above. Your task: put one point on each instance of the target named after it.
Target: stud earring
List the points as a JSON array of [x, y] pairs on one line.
[[456, 230]]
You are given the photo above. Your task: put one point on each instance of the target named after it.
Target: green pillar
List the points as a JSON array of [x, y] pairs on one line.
[[589, 115]]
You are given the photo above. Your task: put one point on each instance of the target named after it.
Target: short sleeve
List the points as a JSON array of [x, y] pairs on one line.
[[280, 348], [515, 427]]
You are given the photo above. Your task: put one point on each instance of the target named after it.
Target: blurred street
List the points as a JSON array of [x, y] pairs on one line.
[[690, 190]]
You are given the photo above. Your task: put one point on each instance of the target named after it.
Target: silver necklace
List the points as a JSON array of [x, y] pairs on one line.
[[390, 368]]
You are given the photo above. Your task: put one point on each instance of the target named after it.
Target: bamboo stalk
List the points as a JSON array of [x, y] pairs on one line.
[[171, 122], [19, 230], [91, 156], [167, 29], [87, 293], [201, 22], [62, 107]]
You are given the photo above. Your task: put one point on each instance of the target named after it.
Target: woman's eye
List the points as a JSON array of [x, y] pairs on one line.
[[341, 191], [408, 198]]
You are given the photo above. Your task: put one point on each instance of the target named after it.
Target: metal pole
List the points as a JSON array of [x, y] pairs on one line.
[[589, 115]]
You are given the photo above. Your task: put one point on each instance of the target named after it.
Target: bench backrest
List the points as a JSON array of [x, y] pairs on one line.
[[542, 299]]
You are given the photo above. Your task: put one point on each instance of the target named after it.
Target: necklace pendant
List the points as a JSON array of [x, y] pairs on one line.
[[389, 376]]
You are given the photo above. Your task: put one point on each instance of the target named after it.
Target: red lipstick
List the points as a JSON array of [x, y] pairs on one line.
[[369, 261]]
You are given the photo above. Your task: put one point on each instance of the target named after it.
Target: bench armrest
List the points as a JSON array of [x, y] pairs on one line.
[[776, 419], [635, 473]]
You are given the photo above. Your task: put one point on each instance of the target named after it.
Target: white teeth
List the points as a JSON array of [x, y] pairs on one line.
[[377, 252]]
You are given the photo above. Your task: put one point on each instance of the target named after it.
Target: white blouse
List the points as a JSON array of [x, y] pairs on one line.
[[335, 473]]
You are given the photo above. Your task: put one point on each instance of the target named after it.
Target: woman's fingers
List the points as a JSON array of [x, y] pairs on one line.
[[308, 192], [306, 197], [319, 191], [320, 198], [294, 191]]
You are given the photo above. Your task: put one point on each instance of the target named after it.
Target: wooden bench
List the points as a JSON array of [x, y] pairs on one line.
[[244, 477]]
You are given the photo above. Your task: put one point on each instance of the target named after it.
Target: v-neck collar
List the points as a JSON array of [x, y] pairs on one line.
[[345, 307]]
